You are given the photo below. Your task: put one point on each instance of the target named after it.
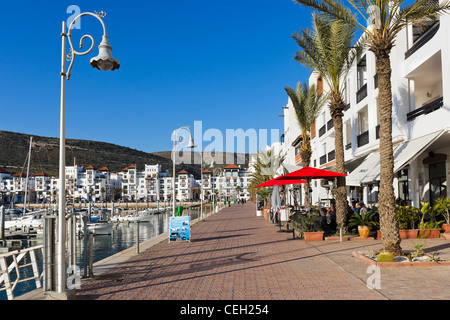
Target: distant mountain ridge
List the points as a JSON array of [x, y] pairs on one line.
[[45, 155]]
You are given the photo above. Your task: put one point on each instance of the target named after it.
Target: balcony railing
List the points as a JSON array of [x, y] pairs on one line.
[[323, 159], [331, 155], [330, 125], [322, 130], [430, 107], [347, 107], [423, 39], [361, 94], [348, 146], [363, 139], [377, 132], [375, 80]]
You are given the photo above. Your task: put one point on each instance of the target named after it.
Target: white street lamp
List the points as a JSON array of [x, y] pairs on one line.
[[176, 142], [104, 61]]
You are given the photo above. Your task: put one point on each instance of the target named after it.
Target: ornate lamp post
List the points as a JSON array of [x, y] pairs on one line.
[[176, 141], [104, 61]]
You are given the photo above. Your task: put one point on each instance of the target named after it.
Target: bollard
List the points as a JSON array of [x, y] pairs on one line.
[[49, 252], [137, 236], [86, 247], [91, 255], [2, 223]]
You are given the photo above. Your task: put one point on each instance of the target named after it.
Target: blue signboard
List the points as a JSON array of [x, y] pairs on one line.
[[180, 229]]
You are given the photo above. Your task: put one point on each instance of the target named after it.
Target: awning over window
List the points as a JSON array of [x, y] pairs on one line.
[[369, 170]]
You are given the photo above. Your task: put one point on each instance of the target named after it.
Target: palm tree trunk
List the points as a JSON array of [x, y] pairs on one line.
[[388, 218], [337, 107], [306, 161], [341, 191]]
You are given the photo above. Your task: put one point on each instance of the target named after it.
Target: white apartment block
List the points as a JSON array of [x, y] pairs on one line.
[[232, 183], [421, 122], [152, 184]]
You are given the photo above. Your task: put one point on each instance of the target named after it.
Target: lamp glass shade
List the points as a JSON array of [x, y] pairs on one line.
[[191, 144], [104, 61]]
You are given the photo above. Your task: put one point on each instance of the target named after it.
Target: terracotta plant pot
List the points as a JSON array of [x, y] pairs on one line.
[[314, 236], [446, 228], [363, 231], [378, 234], [429, 233], [408, 233]]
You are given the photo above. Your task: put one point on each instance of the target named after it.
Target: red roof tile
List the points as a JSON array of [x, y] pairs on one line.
[[231, 166]]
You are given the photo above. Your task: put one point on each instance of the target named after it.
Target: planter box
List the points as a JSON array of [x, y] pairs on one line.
[[404, 234], [259, 213], [446, 228], [378, 235], [408, 233], [314, 236], [429, 233]]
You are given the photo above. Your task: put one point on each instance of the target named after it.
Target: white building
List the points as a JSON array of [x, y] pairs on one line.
[[421, 126]]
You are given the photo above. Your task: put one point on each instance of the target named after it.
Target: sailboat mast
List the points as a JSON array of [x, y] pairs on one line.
[[26, 181]]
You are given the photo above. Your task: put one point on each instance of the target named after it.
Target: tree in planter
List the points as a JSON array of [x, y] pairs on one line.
[[442, 206], [330, 51], [429, 217], [382, 21], [266, 166], [365, 219], [307, 105]]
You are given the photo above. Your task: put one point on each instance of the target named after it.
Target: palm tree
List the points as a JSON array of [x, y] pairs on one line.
[[381, 21], [329, 51], [307, 106], [267, 163]]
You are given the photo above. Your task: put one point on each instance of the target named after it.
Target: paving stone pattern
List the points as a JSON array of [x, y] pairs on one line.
[[233, 255]]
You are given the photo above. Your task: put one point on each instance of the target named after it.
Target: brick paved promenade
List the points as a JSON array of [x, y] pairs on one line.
[[233, 255]]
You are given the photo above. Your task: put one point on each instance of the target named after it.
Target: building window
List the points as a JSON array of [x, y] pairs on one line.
[[403, 186], [438, 181]]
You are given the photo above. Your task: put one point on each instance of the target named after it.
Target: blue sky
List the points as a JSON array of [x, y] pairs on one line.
[[224, 63]]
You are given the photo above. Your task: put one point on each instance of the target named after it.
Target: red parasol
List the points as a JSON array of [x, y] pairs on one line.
[[309, 173], [278, 182]]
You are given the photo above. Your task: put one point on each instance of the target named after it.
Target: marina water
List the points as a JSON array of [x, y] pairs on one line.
[[122, 237]]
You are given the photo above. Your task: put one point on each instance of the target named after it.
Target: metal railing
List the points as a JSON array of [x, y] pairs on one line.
[[330, 124], [363, 139], [428, 108], [331, 155], [361, 93], [322, 130], [19, 259], [424, 38]]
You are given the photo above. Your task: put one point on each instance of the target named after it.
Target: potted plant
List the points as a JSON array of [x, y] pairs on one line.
[[443, 206], [365, 221], [310, 227], [408, 216], [430, 228]]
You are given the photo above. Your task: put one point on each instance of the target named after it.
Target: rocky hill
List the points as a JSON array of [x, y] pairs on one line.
[[45, 155]]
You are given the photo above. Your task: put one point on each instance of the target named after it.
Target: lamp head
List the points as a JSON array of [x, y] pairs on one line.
[[191, 144], [104, 61]]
